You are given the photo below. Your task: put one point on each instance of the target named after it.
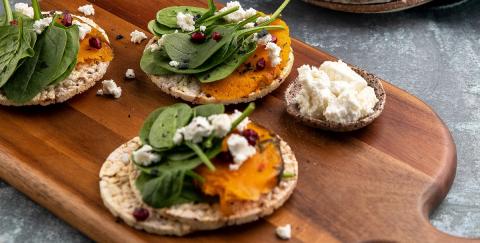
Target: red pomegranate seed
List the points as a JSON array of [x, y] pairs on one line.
[[216, 36], [13, 22], [260, 64], [95, 42], [141, 214], [274, 39], [67, 19], [225, 157], [251, 136], [198, 37]]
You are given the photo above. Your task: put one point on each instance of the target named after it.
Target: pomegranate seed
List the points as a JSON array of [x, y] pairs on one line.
[[225, 157], [216, 36], [251, 136], [274, 39], [13, 22], [141, 214], [95, 42], [260, 64], [198, 37], [67, 19]]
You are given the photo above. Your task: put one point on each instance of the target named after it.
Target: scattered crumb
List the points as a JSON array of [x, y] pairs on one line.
[[130, 74], [109, 87], [119, 37], [137, 36], [284, 232], [87, 9]]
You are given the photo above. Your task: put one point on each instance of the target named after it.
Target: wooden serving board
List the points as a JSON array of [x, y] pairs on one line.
[[359, 6], [378, 183]]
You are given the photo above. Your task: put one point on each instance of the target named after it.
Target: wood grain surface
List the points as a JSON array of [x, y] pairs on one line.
[[376, 184], [368, 6]]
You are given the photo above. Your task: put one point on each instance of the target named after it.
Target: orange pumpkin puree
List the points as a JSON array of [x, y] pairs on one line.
[[244, 80], [88, 54], [257, 175]]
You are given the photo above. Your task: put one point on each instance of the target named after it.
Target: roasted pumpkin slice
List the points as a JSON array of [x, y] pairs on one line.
[[249, 77], [88, 54], [258, 175]]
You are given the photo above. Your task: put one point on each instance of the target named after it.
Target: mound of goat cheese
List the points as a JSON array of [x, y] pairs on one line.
[[335, 93]]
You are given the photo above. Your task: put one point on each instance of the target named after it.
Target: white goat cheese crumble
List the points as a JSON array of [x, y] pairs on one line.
[[240, 149], [284, 232], [273, 53], [195, 131], [145, 155], [130, 73], [221, 124], [185, 21], [264, 40], [334, 92], [202, 28], [249, 25], [137, 36], [87, 9], [242, 125], [238, 15], [24, 9], [109, 87], [40, 25], [174, 63], [263, 19], [83, 29]]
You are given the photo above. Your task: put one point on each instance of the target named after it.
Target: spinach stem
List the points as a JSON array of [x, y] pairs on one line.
[[37, 13], [257, 29], [211, 11], [244, 115], [8, 10], [194, 175], [203, 157], [248, 20], [276, 13], [220, 15]]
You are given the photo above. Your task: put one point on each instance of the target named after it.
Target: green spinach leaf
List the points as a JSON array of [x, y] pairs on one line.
[[180, 48], [158, 29], [18, 42], [50, 47], [208, 110], [230, 65], [69, 58], [147, 124], [163, 129], [168, 16]]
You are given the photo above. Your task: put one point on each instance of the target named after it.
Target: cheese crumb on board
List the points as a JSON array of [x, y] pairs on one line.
[[137, 37], [130, 74], [109, 87], [87, 9], [284, 232]]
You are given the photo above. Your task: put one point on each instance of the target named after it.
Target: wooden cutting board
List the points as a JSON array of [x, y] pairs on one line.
[[375, 184], [368, 6]]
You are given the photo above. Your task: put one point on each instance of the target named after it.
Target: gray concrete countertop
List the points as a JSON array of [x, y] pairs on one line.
[[432, 53]]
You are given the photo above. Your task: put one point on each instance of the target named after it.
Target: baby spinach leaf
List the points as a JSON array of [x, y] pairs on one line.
[[230, 65], [50, 46], [17, 42], [180, 48], [177, 155], [147, 124], [162, 190], [69, 59], [168, 16], [154, 62], [158, 29], [184, 114], [163, 129], [208, 110]]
